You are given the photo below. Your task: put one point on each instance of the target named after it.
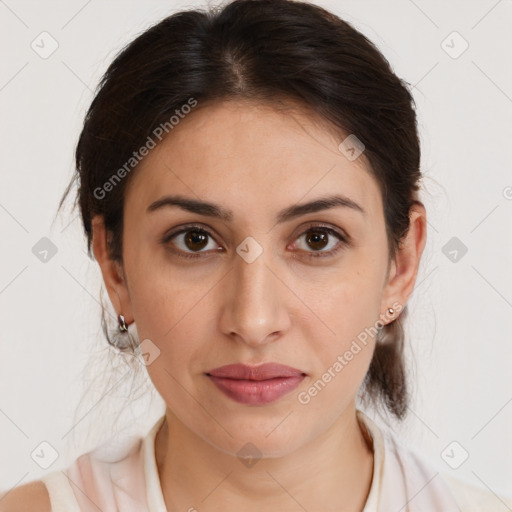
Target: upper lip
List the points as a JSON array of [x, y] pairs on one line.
[[261, 372]]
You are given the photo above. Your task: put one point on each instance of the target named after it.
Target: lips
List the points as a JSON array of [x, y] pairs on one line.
[[256, 385], [262, 372]]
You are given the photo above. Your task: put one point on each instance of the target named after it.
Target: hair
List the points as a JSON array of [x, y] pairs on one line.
[[263, 51]]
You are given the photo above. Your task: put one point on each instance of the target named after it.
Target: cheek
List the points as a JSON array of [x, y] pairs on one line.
[[173, 310], [173, 317], [346, 310], [161, 297], [341, 358], [175, 320]]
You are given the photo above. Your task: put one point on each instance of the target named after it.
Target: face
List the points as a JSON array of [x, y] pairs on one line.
[[255, 286]]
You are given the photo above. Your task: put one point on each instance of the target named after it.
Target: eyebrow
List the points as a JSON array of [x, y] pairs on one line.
[[214, 210]]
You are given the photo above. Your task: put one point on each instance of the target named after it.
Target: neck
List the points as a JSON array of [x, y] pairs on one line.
[[333, 472]]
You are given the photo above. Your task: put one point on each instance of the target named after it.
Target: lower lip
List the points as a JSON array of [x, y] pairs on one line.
[[252, 392]]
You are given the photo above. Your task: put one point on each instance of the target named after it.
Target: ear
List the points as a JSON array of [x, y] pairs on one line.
[[404, 268], [112, 271]]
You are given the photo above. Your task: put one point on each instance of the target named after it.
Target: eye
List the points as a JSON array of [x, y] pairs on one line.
[[189, 238], [319, 237], [192, 240]]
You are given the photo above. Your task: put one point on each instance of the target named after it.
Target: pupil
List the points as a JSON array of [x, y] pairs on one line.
[[317, 237], [195, 237]]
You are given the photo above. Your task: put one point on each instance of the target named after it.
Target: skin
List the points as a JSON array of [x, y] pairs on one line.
[[283, 307]]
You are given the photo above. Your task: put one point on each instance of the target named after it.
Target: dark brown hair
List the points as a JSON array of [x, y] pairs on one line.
[[258, 50]]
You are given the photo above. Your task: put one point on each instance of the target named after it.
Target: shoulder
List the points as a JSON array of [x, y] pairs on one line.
[[472, 498], [410, 472], [93, 472], [32, 496]]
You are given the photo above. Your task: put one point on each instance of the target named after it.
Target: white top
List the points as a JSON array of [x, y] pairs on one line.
[[117, 478]]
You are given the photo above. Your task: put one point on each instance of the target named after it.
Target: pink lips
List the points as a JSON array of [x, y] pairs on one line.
[[256, 385]]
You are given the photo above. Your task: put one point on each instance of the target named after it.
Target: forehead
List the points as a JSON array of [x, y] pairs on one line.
[[253, 157]]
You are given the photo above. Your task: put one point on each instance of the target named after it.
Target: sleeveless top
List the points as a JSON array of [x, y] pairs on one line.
[[124, 478]]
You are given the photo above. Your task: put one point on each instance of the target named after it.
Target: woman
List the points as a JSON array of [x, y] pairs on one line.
[[248, 184]]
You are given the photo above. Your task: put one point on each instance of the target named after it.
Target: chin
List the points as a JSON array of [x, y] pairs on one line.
[[248, 441]]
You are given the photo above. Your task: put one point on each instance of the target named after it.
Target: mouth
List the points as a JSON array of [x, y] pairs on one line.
[[256, 385]]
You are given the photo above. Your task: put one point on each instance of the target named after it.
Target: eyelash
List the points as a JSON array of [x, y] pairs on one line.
[[344, 240]]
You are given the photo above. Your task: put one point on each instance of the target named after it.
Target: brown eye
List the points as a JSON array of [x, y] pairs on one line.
[[189, 241], [195, 240], [321, 241], [317, 240]]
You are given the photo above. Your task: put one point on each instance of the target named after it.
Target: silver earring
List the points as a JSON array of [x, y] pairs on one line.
[[391, 311], [122, 324]]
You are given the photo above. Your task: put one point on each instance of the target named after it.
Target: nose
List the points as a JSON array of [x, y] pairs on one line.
[[254, 308]]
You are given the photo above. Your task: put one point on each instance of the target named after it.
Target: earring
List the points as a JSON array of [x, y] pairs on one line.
[[391, 311], [122, 324]]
